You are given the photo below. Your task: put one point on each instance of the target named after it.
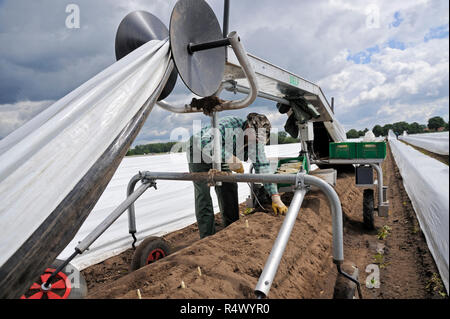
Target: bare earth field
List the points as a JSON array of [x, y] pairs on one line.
[[232, 260]]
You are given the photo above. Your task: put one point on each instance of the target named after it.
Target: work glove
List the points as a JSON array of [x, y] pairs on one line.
[[235, 165], [278, 206]]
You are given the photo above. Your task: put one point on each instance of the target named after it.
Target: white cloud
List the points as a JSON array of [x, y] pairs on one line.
[[417, 77], [313, 39], [12, 116]]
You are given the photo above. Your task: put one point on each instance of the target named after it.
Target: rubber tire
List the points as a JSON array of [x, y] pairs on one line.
[[79, 292], [344, 288], [368, 209], [141, 254]]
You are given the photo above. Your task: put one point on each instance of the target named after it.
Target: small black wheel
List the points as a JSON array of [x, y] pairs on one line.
[[68, 284], [149, 251], [345, 288], [368, 209]]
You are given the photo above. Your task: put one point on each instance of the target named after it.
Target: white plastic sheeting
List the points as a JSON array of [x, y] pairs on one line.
[[433, 142], [369, 137], [158, 212], [41, 162], [426, 181]]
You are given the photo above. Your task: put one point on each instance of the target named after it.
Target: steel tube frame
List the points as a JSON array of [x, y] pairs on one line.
[[242, 57], [227, 178], [232, 87], [266, 279], [302, 181], [270, 269], [217, 146], [108, 221], [226, 21], [192, 47], [327, 189], [131, 211], [226, 17], [374, 163], [336, 215], [380, 182]]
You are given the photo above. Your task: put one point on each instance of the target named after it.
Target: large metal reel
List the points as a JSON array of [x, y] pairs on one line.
[[194, 22], [136, 29]]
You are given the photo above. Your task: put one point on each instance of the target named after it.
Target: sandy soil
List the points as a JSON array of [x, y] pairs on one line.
[[232, 260]]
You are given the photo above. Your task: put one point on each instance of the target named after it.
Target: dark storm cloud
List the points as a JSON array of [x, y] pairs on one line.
[[40, 59]]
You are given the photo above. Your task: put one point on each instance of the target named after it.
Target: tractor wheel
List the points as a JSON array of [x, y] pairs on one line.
[[149, 251], [368, 209], [68, 284]]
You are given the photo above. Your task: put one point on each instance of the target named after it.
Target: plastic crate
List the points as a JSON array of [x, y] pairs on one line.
[[292, 160], [342, 150], [367, 150]]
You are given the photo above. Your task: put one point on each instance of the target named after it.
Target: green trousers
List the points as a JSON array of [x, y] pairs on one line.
[[227, 196]]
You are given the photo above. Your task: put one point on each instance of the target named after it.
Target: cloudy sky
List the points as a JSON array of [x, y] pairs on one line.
[[383, 61]]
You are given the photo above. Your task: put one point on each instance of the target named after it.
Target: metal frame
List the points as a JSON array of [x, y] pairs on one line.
[[383, 204], [244, 73], [301, 180], [249, 75]]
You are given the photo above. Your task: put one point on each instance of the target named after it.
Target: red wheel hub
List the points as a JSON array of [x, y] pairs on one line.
[[59, 289], [155, 255]]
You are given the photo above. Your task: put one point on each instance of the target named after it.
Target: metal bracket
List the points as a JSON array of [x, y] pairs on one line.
[[250, 74], [145, 180], [300, 181], [133, 244], [343, 273]]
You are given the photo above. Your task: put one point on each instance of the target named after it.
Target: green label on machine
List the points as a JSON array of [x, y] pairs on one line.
[[294, 80]]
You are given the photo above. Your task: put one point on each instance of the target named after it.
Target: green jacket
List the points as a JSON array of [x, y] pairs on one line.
[[232, 133]]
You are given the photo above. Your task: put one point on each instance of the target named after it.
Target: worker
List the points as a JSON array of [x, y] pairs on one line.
[[241, 139]]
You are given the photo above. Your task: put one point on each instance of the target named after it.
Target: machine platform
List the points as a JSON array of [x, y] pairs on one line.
[[276, 84]]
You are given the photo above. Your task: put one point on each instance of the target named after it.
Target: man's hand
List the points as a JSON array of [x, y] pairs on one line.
[[278, 206], [235, 165]]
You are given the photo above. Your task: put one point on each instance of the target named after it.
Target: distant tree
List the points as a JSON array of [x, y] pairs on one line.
[[446, 127], [353, 134], [152, 149], [400, 127], [282, 137], [363, 132], [282, 134], [386, 129], [377, 130], [436, 122], [415, 128]]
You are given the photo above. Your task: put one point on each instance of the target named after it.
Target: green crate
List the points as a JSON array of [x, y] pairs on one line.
[[342, 150], [368, 150], [292, 160]]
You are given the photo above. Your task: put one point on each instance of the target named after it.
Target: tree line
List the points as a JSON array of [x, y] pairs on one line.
[[159, 148], [154, 148], [434, 124]]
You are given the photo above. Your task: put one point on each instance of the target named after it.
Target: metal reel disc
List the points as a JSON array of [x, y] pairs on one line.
[[136, 29], [193, 21]]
